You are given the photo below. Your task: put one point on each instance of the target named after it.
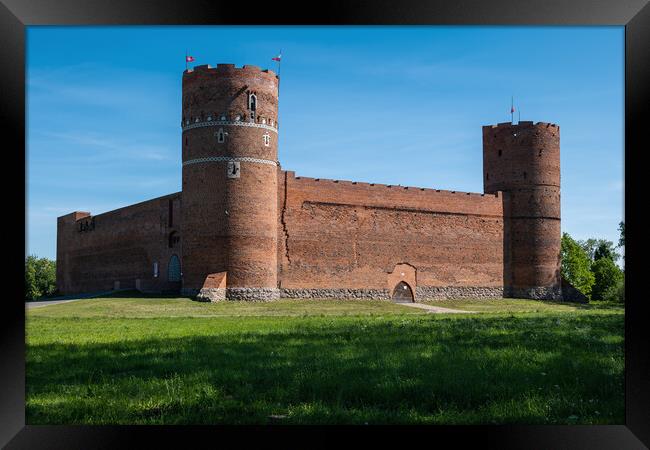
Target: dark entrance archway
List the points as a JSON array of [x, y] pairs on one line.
[[174, 269], [403, 293]]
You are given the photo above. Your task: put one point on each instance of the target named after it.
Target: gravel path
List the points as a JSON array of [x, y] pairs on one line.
[[68, 298], [30, 305]]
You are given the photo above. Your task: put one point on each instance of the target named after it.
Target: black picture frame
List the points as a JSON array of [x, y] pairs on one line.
[[15, 15]]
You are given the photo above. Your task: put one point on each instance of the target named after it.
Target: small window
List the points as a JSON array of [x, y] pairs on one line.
[[174, 239], [500, 152], [252, 103], [267, 140], [221, 136], [525, 175], [155, 269]]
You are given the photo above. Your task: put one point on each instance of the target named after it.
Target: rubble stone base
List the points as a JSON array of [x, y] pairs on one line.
[[450, 292], [211, 295], [536, 293], [221, 294], [252, 294], [369, 294]]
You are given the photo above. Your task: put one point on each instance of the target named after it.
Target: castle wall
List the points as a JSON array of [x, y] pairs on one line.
[[229, 180], [341, 238], [523, 161], [118, 249], [252, 231]]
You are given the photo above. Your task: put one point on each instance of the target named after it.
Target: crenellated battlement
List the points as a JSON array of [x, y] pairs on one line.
[[521, 125], [221, 69], [389, 186]]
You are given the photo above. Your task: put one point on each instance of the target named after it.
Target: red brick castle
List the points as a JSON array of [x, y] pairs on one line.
[[243, 228]]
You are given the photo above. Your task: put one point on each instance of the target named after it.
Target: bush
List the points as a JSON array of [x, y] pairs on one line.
[[616, 293], [607, 276], [576, 265], [40, 277]]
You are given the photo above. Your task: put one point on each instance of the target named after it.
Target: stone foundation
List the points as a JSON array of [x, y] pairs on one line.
[[537, 293], [451, 292], [252, 294], [571, 294], [421, 293], [368, 294], [235, 294], [211, 295]]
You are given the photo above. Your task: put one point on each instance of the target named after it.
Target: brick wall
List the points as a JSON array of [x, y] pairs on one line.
[[118, 246], [229, 222], [523, 161], [342, 234]]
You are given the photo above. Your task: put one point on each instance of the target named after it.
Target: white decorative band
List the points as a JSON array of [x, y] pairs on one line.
[[227, 158], [215, 123]]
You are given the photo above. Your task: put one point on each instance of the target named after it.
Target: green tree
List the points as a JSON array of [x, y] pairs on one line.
[[605, 249], [616, 293], [608, 276], [576, 265], [598, 248], [40, 277], [621, 229]]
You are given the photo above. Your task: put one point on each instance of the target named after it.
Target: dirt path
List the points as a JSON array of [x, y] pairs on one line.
[[30, 305], [68, 298], [436, 309]]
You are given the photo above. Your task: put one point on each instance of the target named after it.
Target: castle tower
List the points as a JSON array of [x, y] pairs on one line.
[[523, 161], [230, 165]]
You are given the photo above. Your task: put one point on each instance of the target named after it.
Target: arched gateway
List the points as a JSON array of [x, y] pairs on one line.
[[174, 269], [403, 293]]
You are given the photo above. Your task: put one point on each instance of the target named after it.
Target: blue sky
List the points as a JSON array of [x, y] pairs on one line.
[[394, 105]]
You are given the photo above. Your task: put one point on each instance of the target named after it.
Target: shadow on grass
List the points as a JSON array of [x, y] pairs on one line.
[[419, 370]]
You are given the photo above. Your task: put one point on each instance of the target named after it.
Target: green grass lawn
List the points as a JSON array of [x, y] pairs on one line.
[[175, 361]]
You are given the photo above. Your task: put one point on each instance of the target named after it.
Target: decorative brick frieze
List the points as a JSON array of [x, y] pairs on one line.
[[228, 159], [188, 125]]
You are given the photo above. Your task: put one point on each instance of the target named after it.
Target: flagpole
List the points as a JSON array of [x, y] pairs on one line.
[[512, 109], [185, 60], [279, 69]]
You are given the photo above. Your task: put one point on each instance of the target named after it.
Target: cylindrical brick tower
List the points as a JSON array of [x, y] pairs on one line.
[[229, 199], [523, 161]]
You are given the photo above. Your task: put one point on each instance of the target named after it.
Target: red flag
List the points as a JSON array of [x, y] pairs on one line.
[[189, 58], [512, 109], [277, 58]]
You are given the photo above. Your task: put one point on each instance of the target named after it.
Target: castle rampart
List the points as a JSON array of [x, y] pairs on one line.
[[248, 230], [523, 161], [119, 249], [346, 238], [230, 181]]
